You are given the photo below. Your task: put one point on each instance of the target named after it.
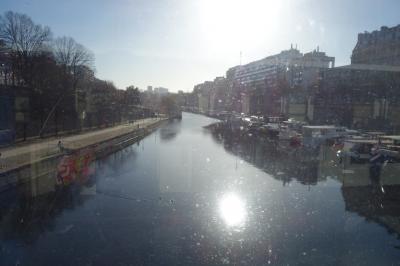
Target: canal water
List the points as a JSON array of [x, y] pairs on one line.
[[188, 196]]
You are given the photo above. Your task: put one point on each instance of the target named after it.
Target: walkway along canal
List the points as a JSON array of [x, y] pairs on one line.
[[46, 159]]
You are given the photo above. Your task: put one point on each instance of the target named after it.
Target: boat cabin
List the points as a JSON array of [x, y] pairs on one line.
[[316, 135], [391, 139]]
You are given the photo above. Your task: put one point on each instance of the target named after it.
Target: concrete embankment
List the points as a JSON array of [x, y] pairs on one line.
[[42, 160]]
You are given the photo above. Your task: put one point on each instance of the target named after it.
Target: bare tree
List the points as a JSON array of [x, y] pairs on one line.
[[26, 40], [72, 55], [76, 59], [77, 62], [22, 35]]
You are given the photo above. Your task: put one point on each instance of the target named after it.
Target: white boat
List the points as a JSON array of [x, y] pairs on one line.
[[313, 136]]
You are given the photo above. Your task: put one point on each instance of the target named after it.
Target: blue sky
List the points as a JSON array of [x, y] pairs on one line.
[[179, 43]]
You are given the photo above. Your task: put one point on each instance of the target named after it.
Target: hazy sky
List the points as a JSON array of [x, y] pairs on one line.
[[179, 43]]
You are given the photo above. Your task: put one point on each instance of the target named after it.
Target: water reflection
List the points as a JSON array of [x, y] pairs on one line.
[[374, 196], [285, 165], [187, 202], [371, 191], [33, 206], [169, 131], [23, 217], [232, 210]]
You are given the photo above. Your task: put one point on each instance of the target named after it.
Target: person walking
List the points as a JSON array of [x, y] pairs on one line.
[[60, 146]]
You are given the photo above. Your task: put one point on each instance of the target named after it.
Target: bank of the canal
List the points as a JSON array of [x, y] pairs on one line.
[[185, 196], [38, 160]]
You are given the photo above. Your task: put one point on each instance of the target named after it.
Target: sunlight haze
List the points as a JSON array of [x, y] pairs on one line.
[[177, 44]]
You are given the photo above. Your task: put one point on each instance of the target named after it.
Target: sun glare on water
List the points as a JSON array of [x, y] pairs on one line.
[[232, 210]]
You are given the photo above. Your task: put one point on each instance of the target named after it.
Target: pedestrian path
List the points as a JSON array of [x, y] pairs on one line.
[[14, 157]]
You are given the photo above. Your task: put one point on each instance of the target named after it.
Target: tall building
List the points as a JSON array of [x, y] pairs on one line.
[[218, 96], [364, 94], [161, 91], [359, 96], [380, 47], [266, 68], [203, 91], [260, 85]]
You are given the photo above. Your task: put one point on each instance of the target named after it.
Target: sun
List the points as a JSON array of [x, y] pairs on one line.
[[230, 23]]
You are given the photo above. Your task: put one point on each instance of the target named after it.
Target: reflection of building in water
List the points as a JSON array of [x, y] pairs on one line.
[[358, 174], [286, 165], [375, 197], [171, 130]]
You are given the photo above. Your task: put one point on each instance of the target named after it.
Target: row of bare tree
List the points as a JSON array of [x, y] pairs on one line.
[[27, 41], [57, 76]]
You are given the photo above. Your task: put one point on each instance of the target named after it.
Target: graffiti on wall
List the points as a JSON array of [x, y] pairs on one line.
[[77, 167]]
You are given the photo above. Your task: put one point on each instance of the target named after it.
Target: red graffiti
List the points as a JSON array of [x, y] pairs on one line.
[[75, 167]]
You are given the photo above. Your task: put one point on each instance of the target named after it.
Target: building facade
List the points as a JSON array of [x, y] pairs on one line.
[[308, 87], [276, 85], [380, 47], [366, 93], [359, 96], [203, 92], [161, 91]]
